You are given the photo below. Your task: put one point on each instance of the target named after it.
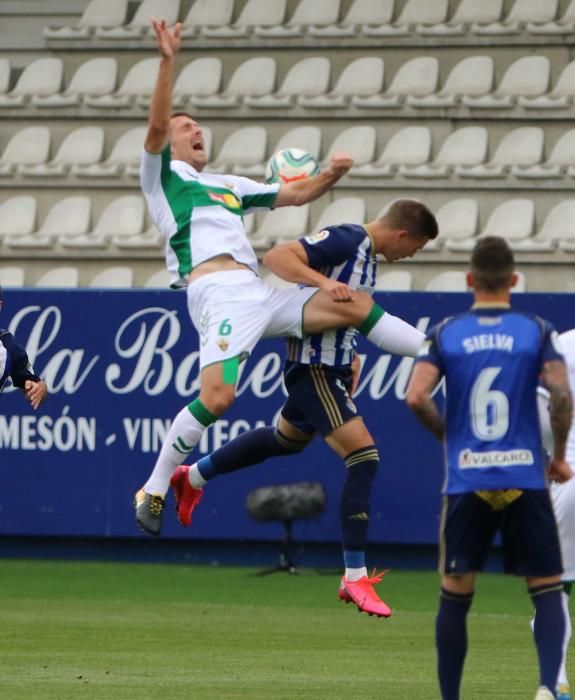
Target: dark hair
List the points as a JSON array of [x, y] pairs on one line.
[[492, 264], [413, 216], [181, 114]]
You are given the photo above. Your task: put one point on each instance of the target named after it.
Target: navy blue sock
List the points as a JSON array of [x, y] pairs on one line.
[[451, 641], [248, 449], [549, 631], [354, 504]]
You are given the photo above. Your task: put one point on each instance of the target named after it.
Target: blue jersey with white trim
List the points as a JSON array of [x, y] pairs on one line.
[[345, 253], [491, 358]]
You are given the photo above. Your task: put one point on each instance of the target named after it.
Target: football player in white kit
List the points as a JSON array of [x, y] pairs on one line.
[[563, 497], [207, 251]]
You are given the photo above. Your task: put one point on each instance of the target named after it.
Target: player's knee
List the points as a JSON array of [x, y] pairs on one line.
[[217, 399]]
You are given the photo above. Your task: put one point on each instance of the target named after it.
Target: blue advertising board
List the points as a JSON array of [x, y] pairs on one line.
[[121, 364]]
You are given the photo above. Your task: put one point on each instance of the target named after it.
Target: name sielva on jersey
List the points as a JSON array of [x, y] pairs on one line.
[[488, 341]]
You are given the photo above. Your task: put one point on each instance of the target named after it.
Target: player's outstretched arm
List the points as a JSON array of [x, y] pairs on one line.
[[310, 188], [419, 397], [560, 413], [168, 42], [290, 262]]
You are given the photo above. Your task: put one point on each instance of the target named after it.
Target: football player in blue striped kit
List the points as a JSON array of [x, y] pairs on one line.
[[496, 478], [319, 377]]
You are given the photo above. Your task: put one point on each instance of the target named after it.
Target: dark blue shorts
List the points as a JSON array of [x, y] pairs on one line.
[[528, 529], [318, 398]]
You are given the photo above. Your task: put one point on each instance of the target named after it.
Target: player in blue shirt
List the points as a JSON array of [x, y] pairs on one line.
[[492, 358], [14, 363], [319, 377]]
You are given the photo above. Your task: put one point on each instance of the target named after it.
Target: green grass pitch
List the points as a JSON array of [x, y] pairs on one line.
[[74, 630]]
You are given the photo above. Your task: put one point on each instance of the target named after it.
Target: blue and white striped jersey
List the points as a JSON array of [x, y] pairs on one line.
[[491, 359], [14, 362], [345, 253]]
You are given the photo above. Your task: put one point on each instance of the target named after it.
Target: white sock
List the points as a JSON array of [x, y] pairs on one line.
[[396, 336], [355, 574], [195, 478], [182, 437], [562, 677]]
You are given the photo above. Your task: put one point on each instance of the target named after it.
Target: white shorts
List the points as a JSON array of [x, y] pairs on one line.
[[232, 310], [563, 497]]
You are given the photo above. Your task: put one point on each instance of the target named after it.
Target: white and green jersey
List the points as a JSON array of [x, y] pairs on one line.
[[200, 214]]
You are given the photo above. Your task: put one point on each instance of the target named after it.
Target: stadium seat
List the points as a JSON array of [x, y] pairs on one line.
[[520, 147], [465, 147], [522, 12], [526, 77], [361, 13], [207, 13], [123, 216], [467, 13], [12, 276], [408, 146], [243, 147], [5, 71], [561, 95], [29, 146], [362, 77], [308, 13], [418, 76], [307, 78], [557, 164], [140, 80], [256, 13], [415, 12], [83, 146], [349, 210], [558, 227], [357, 141], [98, 13], [471, 76], [202, 77], [68, 216], [394, 281], [282, 225], [67, 277], [564, 25], [513, 220], [93, 78], [113, 278], [457, 220], [18, 216], [158, 280], [150, 239], [255, 76], [449, 281], [127, 151], [308, 138], [140, 22], [41, 77]]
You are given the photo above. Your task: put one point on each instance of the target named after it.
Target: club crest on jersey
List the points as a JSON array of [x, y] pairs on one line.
[[223, 344], [228, 200], [317, 237]]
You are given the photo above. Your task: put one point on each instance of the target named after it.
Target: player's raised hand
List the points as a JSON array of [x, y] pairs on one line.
[[340, 163], [167, 40], [338, 291], [35, 392]]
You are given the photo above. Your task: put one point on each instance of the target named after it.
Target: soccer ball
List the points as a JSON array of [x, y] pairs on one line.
[[289, 165]]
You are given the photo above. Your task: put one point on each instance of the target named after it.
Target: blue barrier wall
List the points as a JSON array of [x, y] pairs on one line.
[[120, 364]]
